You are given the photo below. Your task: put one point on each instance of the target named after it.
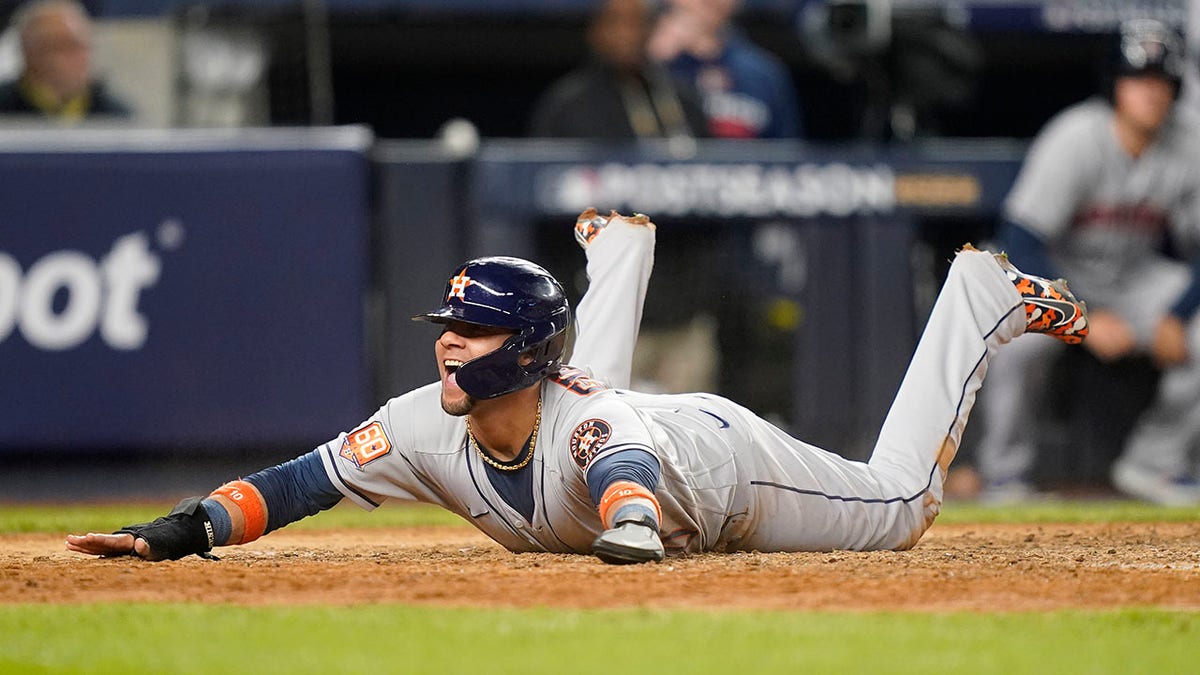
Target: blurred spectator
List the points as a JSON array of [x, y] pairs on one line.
[[618, 93], [747, 91], [1109, 186], [57, 80]]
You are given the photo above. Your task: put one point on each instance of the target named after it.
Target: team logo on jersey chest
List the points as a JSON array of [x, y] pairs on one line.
[[587, 439], [365, 445]]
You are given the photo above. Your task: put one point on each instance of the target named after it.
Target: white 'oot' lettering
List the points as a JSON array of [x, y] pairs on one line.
[[103, 295]]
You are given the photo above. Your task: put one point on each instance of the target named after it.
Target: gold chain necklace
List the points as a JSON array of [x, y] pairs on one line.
[[492, 462]]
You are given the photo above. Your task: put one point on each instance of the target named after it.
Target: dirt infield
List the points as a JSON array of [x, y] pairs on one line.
[[955, 567]]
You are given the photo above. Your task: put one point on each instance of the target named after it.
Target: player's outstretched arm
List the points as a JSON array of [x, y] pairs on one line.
[[235, 513], [621, 485], [620, 257], [187, 529]]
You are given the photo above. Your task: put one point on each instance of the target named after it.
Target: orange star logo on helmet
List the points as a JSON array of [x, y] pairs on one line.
[[459, 284]]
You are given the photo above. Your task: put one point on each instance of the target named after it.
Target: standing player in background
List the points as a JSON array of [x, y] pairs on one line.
[[1190, 89], [1107, 186], [546, 457], [747, 91]]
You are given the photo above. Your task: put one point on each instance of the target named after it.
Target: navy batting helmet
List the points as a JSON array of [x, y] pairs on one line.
[[517, 295], [1149, 47]]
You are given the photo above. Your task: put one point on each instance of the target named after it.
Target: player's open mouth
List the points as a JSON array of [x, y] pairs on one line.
[[451, 365]]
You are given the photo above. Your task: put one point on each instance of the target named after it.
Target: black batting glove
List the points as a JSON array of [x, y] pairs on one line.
[[186, 530]]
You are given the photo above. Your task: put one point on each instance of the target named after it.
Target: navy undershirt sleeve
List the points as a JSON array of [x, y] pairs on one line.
[[1026, 250], [634, 464], [1187, 303], [295, 489]]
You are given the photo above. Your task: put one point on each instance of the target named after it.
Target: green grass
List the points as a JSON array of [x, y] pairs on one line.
[[107, 517], [1066, 511], [208, 639], [197, 638]]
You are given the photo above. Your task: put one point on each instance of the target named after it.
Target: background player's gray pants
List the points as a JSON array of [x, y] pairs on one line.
[[803, 498], [1161, 440]]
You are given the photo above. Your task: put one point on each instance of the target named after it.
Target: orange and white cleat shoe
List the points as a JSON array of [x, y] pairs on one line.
[[1050, 307], [590, 223]]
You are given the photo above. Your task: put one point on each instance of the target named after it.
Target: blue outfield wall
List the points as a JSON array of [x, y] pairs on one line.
[[171, 290], [182, 289]]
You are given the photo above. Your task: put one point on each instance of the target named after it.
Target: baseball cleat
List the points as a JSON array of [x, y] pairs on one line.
[[1007, 493], [590, 224], [1152, 487], [1050, 307]]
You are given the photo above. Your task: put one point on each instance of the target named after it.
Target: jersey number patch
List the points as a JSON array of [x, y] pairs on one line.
[[576, 381], [587, 439], [365, 445]]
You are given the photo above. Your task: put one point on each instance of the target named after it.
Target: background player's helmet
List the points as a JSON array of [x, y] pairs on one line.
[[1148, 47], [507, 293]]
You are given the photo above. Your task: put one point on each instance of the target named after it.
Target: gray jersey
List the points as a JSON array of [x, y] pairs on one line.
[[1102, 213], [729, 480], [411, 450], [424, 455]]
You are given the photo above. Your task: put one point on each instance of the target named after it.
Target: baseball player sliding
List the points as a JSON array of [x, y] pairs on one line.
[[542, 456]]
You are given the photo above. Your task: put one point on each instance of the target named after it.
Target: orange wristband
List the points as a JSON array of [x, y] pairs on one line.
[[250, 502], [622, 492]]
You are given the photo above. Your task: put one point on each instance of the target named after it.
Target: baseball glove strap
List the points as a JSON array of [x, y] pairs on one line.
[[182, 532]]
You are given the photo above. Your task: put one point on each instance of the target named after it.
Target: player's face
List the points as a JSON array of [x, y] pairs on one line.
[[1143, 102], [460, 342]]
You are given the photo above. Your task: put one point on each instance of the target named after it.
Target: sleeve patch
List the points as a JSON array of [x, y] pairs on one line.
[[576, 381], [365, 445], [587, 440]]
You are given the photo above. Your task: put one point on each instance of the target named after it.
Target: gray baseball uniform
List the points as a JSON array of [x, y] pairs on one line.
[[729, 479], [1103, 216]]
